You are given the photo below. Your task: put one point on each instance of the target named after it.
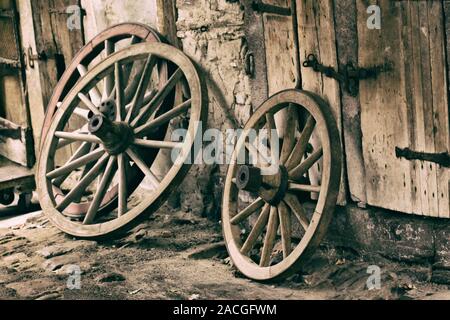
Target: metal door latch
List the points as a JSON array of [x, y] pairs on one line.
[[271, 9], [30, 57], [351, 75], [442, 159]]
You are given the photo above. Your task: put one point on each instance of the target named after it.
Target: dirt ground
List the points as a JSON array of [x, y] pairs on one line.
[[176, 255]]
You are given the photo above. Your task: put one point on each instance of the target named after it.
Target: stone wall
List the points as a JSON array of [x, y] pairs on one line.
[[395, 236], [212, 33]]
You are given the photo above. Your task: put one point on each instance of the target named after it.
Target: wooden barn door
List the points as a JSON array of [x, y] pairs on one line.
[[406, 107], [49, 45], [16, 141], [316, 35]]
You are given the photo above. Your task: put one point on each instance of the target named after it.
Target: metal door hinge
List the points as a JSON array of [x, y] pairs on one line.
[[442, 159], [66, 12], [9, 130], [268, 8], [30, 57], [250, 64], [350, 76]]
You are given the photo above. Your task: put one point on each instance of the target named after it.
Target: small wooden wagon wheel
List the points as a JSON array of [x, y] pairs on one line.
[[100, 47], [124, 142], [267, 226]]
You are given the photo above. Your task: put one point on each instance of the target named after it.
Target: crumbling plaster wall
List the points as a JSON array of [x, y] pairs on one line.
[[101, 14], [212, 33]]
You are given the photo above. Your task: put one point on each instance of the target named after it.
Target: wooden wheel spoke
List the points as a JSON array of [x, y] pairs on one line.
[[120, 103], [271, 126], [256, 231], [63, 143], [304, 188], [101, 191], [285, 227], [289, 136], [163, 119], [75, 164], [83, 113], [123, 192], [300, 147], [259, 159], [247, 212], [298, 210], [79, 189], [142, 86], [144, 168], [157, 144], [89, 104], [94, 93], [80, 152], [77, 137], [153, 105], [271, 235], [108, 83], [298, 172], [128, 67]]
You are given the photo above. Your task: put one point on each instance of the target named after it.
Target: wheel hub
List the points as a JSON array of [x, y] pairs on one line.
[[271, 188], [116, 136]]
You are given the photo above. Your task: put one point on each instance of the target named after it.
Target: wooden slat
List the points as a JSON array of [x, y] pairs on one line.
[[384, 120], [317, 36], [406, 107], [280, 53], [345, 16], [439, 75]]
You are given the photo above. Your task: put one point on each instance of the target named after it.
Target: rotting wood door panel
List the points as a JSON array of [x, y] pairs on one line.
[[60, 44], [316, 31], [280, 56], [406, 107], [280, 52], [16, 142]]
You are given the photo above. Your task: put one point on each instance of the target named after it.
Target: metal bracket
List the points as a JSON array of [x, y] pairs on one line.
[[30, 57], [9, 64], [65, 13], [442, 159], [268, 8], [250, 64], [9, 130], [351, 76]]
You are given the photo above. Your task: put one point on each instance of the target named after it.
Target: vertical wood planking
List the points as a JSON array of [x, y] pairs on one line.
[[384, 120], [317, 36], [345, 17], [280, 53], [55, 38], [280, 56], [407, 107], [439, 74]]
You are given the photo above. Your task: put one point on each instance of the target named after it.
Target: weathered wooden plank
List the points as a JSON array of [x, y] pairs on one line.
[[34, 83], [280, 57], [317, 36], [280, 53], [13, 175], [345, 16], [384, 120], [407, 54], [405, 107], [13, 105], [439, 74]]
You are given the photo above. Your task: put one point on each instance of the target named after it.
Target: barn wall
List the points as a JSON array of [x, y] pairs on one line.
[[212, 33], [101, 14]]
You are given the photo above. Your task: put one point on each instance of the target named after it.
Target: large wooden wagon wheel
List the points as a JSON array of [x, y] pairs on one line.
[[126, 142], [99, 48], [269, 230]]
